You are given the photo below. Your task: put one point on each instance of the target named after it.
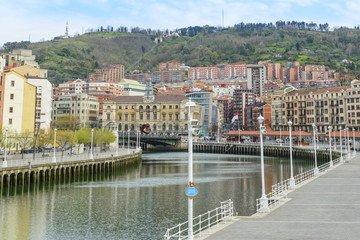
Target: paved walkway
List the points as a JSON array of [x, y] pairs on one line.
[[326, 208]]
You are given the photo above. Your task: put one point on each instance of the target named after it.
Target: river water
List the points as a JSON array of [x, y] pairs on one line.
[[140, 202]]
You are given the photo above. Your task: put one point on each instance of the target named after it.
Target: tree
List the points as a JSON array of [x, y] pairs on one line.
[[65, 138], [69, 122], [24, 140]]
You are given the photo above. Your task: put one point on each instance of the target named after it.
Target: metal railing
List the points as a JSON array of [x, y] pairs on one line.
[[202, 222], [68, 157], [280, 190]]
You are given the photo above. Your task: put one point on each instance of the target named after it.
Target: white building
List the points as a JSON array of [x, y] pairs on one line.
[[43, 108]]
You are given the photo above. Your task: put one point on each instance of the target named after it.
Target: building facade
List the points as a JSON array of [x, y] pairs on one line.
[[19, 103], [82, 107], [240, 99], [323, 107], [256, 79], [111, 73]]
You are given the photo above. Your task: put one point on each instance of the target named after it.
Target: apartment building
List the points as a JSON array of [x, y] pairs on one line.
[[352, 99], [167, 76], [19, 57], [256, 79], [240, 99], [253, 111], [166, 66], [19, 102], [84, 108], [111, 73], [322, 106], [43, 109], [140, 77]]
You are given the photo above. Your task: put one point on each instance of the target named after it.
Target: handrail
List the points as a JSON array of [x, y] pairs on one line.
[[202, 222], [281, 189]]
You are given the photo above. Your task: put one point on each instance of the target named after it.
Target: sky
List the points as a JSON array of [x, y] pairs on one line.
[[40, 20]]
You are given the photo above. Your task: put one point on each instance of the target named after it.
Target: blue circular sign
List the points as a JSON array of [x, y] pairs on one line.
[[191, 191]]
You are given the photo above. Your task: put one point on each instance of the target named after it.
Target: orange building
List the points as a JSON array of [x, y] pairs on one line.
[[164, 66]]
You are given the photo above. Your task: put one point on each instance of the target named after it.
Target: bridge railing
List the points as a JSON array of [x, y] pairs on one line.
[[280, 190], [202, 222]]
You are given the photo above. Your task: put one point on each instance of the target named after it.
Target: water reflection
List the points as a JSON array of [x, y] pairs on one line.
[[139, 202]]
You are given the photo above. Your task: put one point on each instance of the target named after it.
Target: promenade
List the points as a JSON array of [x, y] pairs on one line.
[[327, 207]]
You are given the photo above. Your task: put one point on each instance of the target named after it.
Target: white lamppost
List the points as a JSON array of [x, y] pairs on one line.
[[292, 180], [316, 170], [54, 157], [5, 162], [331, 162], [92, 141], [190, 105], [239, 129], [280, 136], [354, 152], [347, 133], [129, 141], [264, 205], [334, 138], [117, 139], [341, 148]]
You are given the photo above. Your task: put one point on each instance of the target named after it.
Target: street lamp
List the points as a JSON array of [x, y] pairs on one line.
[[123, 141], [348, 141], [354, 152], [91, 147], [264, 205], [331, 162], [54, 157], [5, 162], [341, 148], [334, 138], [190, 105], [316, 170], [292, 180], [129, 141], [239, 129], [37, 134]]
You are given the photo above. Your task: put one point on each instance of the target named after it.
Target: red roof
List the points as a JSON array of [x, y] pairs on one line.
[[269, 133], [337, 134]]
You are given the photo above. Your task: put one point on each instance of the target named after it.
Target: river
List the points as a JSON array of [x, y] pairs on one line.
[[140, 202]]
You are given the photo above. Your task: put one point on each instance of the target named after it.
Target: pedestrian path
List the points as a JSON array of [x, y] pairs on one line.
[[326, 208]]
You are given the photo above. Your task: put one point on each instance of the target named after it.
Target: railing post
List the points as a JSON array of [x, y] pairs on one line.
[[209, 220]]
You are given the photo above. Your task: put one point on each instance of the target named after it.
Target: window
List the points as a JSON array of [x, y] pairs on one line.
[[132, 117], [13, 85], [164, 117], [170, 116], [120, 116], [10, 121], [141, 116], [11, 110], [155, 116], [126, 117]]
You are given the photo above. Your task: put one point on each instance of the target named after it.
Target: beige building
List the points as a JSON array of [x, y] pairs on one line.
[[166, 113], [81, 107], [19, 103], [353, 105], [321, 106]]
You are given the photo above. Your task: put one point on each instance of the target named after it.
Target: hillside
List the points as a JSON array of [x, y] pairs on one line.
[[202, 46]]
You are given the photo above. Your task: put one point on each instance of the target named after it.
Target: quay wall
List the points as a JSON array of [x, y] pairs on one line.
[[272, 151], [54, 172]]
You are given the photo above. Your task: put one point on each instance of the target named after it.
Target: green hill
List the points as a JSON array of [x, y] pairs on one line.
[[202, 46]]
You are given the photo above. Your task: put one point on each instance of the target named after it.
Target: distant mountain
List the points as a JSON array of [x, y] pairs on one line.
[[307, 43]]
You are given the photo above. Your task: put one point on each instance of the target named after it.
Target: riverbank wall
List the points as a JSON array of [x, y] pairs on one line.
[[54, 172]]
